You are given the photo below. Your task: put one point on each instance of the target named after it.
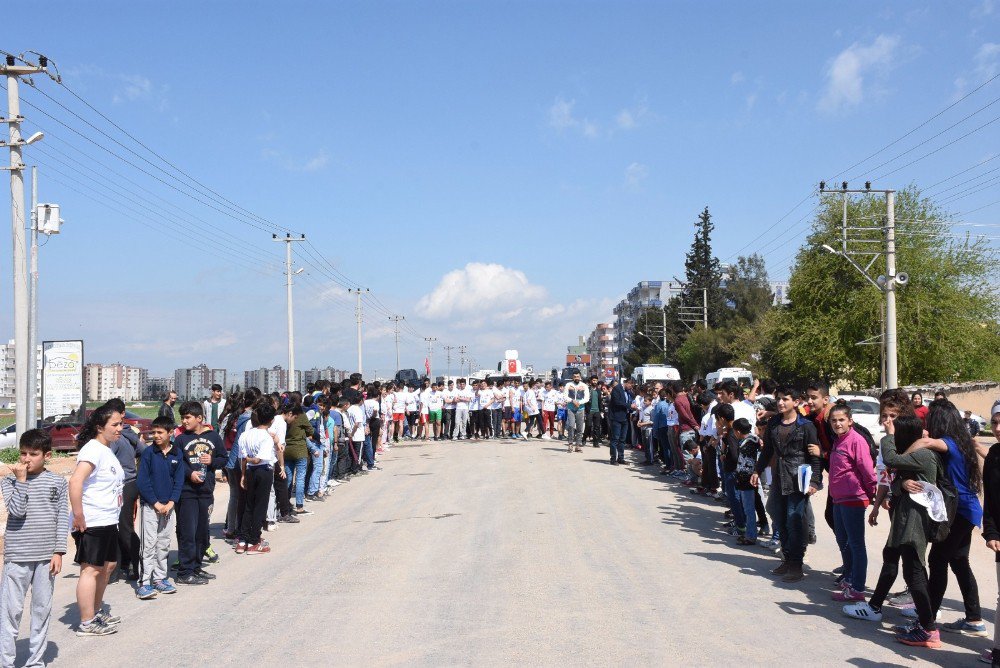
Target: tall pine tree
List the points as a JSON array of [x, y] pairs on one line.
[[703, 272]]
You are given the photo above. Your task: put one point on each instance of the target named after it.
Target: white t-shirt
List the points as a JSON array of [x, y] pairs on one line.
[[530, 403], [398, 401], [549, 400], [498, 396], [449, 398], [357, 415], [259, 443], [742, 409], [411, 402], [435, 400], [672, 418], [462, 398], [278, 428], [102, 489], [425, 398], [708, 422], [371, 408]]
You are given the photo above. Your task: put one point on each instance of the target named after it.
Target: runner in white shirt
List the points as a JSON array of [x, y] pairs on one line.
[[496, 409], [435, 405], [463, 398], [412, 411], [423, 431], [530, 402], [398, 412], [549, 396], [448, 417]]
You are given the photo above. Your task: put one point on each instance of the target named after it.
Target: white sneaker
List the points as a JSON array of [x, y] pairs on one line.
[[546, 437], [912, 613], [862, 611]]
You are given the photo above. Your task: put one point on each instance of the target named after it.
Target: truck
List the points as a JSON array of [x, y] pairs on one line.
[[654, 372], [743, 377]]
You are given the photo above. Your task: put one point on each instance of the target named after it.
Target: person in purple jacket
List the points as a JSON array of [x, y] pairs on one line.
[[852, 488]]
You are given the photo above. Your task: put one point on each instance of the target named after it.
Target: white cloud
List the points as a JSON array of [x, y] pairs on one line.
[[635, 174], [479, 289], [751, 100], [846, 73], [562, 118], [986, 65], [736, 78], [629, 119]]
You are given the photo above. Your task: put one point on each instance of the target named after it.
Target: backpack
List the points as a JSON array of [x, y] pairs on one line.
[[938, 531], [872, 445]]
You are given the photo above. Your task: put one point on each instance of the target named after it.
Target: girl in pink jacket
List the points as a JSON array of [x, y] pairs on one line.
[[852, 488]]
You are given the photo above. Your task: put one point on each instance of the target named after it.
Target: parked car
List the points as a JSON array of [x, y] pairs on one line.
[[8, 437], [865, 411], [64, 428]]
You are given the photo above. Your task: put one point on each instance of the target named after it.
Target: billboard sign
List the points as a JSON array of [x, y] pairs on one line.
[[577, 360], [62, 378]]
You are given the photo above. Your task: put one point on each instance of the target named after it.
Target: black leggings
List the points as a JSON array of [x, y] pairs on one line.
[[916, 580], [759, 506], [954, 551]]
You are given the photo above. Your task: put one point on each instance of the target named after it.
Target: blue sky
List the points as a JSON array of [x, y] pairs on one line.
[[499, 173]]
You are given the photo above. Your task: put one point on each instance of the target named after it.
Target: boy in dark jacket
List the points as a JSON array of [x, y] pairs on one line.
[[788, 438], [203, 453], [160, 479]]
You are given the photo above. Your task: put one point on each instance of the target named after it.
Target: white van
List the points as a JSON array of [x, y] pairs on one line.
[[742, 376], [653, 372]]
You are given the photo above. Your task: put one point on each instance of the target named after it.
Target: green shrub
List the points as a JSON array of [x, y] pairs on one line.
[[10, 455]]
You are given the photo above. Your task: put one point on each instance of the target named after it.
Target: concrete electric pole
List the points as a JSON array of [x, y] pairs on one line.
[[13, 71], [287, 240], [447, 352], [887, 283], [357, 315], [395, 320]]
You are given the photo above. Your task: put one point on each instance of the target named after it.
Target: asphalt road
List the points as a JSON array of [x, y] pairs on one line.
[[504, 553]]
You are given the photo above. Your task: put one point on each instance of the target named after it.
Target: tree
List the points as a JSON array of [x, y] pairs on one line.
[[645, 348], [703, 271], [947, 322], [704, 350], [748, 291]]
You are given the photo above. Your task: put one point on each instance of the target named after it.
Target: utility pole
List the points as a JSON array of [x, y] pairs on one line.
[[357, 315], [13, 72], [886, 283], [447, 351], [395, 319], [33, 304], [287, 240], [430, 354], [461, 359], [704, 296]]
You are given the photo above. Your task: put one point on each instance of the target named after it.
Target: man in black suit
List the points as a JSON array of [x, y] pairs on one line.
[[621, 399]]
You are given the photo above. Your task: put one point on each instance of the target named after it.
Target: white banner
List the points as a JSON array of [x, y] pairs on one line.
[[62, 378]]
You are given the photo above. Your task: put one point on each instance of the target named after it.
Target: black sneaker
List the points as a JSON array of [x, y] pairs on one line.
[[203, 574], [191, 580]]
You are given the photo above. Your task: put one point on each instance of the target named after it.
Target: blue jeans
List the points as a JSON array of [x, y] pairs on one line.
[[618, 434], [316, 476], [735, 503], [849, 525], [748, 502], [787, 521], [298, 467], [368, 453]]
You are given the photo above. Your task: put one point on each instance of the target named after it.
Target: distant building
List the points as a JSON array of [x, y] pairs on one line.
[[110, 381], [647, 294], [326, 373], [270, 380], [196, 382], [603, 349], [7, 381], [158, 388]]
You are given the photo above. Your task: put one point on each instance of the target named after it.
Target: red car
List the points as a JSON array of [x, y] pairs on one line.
[[64, 428]]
